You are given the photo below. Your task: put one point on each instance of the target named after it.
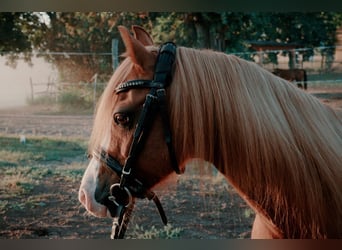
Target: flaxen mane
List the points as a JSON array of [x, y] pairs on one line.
[[280, 147]]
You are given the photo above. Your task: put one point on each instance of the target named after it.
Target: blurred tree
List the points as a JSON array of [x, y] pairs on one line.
[[76, 32], [308, 30], [93, 32], [88, 32], [20, 32]]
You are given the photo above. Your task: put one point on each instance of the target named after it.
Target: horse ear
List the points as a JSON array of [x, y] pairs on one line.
[[141, 35], [136, 50]]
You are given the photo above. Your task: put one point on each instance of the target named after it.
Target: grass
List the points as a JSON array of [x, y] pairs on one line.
[[73, 98], [167, 232], [23, 167], [70, 173], [328, 80], [14, 158], [16, 184], [3, 205], [26, 170], [37, 149]]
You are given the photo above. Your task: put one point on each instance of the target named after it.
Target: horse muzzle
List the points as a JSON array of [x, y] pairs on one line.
[[121, 204]]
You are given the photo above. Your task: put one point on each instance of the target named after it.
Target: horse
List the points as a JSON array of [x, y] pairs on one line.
[[223, 110], [293, 75]]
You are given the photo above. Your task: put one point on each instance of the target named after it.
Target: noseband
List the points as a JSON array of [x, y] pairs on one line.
[[121, 193]]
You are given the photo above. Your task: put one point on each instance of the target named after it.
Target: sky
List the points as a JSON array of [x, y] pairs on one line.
[[15, 83]]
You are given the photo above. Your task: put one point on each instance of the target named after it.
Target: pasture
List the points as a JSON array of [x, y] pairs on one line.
[[39, 182], [38, 198]]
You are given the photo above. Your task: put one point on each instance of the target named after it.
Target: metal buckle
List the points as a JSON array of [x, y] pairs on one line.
[[124, 172]]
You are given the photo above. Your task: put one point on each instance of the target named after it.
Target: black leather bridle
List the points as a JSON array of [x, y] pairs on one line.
[[121, 193]]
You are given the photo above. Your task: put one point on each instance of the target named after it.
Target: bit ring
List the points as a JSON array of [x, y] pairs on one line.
[[125, 202]]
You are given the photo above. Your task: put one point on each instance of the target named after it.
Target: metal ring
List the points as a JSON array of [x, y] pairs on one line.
[[112, 196]]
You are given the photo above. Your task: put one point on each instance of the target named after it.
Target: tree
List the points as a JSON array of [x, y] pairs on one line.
[[79, 33], [308, 30], [92, 32], [20, 32]]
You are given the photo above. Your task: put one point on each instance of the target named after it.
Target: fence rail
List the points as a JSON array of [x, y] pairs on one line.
[[321, 70]]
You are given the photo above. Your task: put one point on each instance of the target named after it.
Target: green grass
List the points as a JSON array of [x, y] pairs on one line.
[[167, 232], [71, 172], [329, 80], [23, 167], [40, 150], [74, 98]]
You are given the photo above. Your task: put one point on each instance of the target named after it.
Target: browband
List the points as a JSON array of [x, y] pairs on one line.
[[135, 84], [162, 72]]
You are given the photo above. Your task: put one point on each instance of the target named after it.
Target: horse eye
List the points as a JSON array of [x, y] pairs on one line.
[[122, 119]]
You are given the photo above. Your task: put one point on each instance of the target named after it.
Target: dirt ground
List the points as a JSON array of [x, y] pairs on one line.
[[201, 207]]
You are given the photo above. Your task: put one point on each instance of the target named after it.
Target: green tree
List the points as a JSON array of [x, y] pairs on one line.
[[93, 32], [80, 33], [87, 32], [20, 32], [308, 30]]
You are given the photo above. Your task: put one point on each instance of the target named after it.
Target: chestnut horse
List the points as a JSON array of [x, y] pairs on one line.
[[232, 113], [297, 76]]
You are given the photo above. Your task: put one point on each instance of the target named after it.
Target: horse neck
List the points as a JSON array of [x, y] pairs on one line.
[[259, 138]]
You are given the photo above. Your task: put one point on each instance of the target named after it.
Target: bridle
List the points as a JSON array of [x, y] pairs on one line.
[[122, 193]]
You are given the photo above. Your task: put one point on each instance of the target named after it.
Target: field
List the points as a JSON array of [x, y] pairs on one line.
[[39, 182], [39, 185]]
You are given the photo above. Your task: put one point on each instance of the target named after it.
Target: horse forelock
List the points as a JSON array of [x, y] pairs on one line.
[[104, 108], [274, 142]]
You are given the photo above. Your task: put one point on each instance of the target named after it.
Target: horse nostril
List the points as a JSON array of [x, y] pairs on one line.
[[82, 197], [90, 204]]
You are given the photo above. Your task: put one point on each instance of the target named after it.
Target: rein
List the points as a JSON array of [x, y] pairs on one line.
[[122, 193]]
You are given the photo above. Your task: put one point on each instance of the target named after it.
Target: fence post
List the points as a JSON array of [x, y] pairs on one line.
[[95, 83], [32, 97], [260, 53], [292, 58], [115, 61]]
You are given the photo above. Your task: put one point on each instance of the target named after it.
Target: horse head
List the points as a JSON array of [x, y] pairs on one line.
[[128, 149]]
